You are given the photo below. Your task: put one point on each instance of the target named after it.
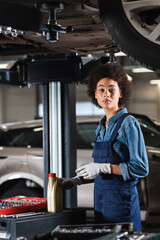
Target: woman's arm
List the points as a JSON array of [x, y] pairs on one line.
[[137, 166], [115, 169]]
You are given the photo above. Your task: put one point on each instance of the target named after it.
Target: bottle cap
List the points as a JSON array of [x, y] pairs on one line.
[[51, 175]]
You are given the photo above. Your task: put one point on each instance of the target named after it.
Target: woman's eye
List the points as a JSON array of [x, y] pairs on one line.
[[101, 90], [111, 90]]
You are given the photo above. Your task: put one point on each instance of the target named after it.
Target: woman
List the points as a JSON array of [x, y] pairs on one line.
[[119, 152]]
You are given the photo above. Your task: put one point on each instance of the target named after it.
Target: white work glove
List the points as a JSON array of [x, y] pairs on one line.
[[93, 170], [68, 183]]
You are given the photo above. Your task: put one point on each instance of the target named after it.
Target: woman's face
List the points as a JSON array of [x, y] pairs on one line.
[[108, 94]]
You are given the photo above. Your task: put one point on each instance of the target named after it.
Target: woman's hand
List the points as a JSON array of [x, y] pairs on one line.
[[93, 170]]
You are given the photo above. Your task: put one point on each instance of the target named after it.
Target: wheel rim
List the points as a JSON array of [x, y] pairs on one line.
[[144, 15]]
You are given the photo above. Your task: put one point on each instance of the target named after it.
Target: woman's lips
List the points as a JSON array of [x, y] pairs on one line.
[[106, 101]]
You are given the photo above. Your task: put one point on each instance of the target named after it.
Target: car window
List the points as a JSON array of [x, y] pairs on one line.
[[151, 137], [148, 124], [150, 132], [86, 135], [22, 137]]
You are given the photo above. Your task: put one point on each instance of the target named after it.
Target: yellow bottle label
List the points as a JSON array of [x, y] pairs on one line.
[[51, 182], [56, 198]]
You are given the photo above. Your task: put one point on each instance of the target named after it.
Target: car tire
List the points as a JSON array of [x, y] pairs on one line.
[[127, 38]]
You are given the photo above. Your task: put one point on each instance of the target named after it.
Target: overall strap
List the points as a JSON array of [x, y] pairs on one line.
[[118, 125]]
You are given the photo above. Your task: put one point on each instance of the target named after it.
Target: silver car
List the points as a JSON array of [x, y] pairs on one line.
[[21, 159]]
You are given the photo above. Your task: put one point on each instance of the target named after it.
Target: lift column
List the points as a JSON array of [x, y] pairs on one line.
[[58, 76]]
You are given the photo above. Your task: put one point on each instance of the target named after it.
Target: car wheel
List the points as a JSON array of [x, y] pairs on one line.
[[134, 26]]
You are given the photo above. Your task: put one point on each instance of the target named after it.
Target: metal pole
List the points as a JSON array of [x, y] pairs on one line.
[[69, 140], [55, 123], [46, 151]]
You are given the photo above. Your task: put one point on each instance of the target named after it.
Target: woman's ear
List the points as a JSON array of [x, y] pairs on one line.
[[120, 96], [95, 94]]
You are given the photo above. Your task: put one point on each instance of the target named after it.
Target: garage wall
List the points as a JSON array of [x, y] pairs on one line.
[[17, 104], [20, 104], [143, 100]]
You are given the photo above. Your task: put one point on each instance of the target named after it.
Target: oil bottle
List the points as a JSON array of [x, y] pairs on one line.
[[57, 197], [51, 181], [54, 194]]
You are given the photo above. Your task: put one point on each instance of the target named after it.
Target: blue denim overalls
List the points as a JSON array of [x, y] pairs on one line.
[[115, 200]]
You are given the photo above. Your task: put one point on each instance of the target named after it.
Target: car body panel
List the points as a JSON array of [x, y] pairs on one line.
[[20, 162], [36, 163]]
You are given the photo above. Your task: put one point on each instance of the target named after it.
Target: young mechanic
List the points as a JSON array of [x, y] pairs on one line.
[[119, 152]]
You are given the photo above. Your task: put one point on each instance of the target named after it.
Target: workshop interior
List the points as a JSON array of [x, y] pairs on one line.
[[48, 124]]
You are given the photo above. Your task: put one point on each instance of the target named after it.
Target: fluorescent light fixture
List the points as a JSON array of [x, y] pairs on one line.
[[6, 64], [3, 65], [141, 70], [155, 81]]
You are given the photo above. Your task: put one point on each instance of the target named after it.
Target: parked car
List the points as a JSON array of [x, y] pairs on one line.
[[132, 24], [157, 122], [21, 161]]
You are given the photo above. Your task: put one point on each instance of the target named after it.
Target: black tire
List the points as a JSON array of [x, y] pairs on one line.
[[126, 37]]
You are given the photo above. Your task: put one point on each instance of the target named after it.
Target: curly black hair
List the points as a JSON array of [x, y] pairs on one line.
[[112, 71]]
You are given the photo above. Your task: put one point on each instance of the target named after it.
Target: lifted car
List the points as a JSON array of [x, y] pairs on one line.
[[53, 26]]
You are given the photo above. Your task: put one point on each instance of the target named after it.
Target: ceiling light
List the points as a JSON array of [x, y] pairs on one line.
[[6, 64], [141, 70], [3, 65], [155, 81]]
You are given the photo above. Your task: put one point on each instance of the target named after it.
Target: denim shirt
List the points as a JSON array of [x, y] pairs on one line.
[[129, 146]]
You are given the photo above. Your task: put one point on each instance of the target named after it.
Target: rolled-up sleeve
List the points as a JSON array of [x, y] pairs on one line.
[[137, 164]]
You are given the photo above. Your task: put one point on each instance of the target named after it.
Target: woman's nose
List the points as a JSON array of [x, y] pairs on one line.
[[106, 93]]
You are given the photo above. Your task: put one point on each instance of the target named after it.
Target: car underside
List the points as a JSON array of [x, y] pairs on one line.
[[79, 28], [82, 26]]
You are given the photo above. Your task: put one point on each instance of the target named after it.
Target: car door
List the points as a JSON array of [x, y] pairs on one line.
[[13, 154], [35, 154]]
